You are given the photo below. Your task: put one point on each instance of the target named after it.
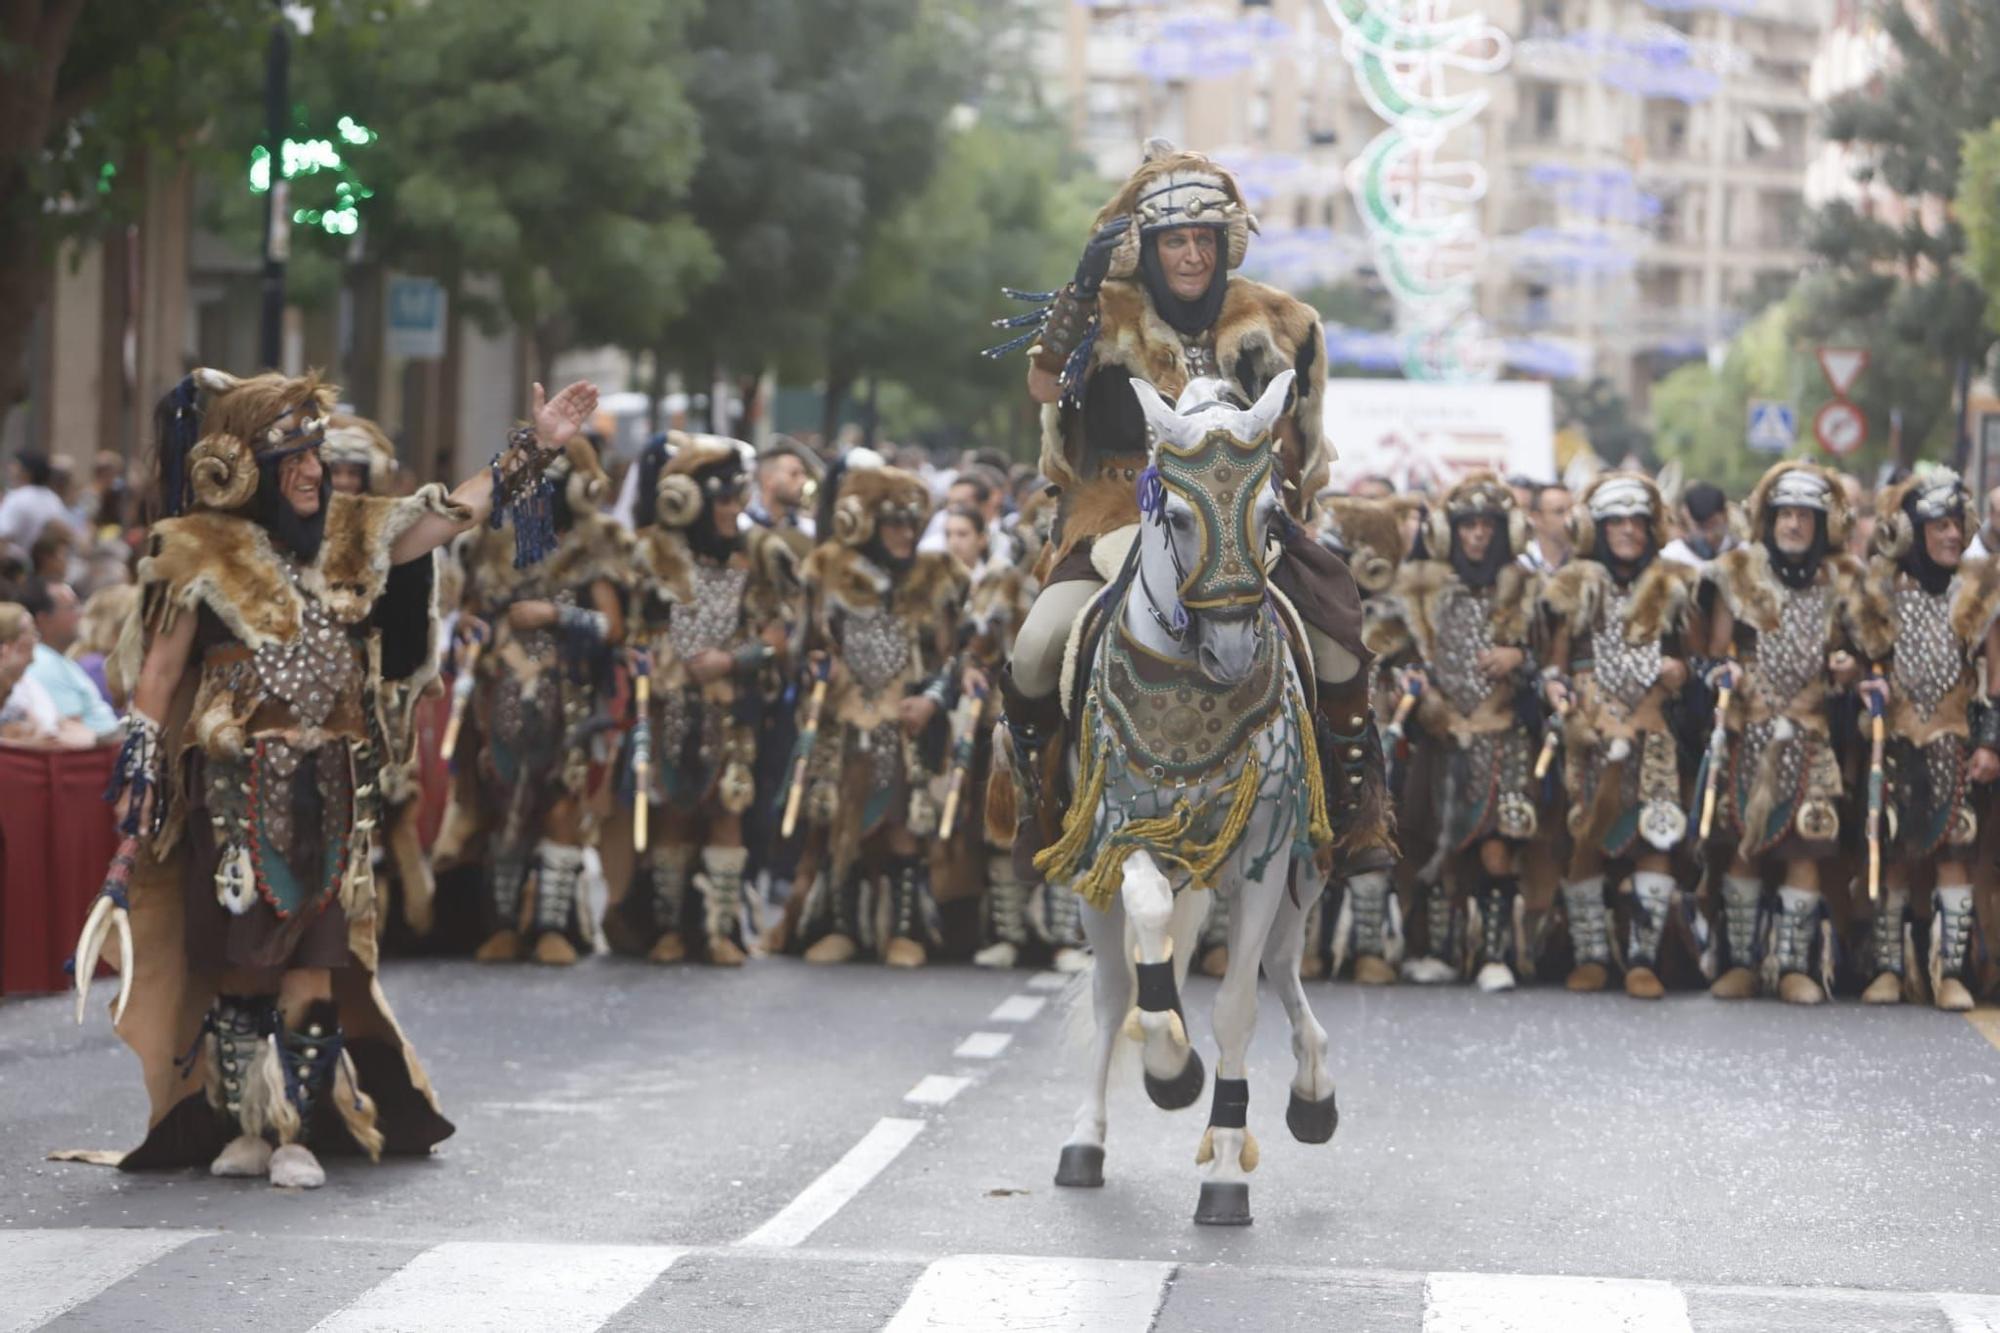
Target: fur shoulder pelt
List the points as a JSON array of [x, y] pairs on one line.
[[361, 530], [1751, 591], [1259, 333], [930, 593], [1371, 533], [594, 548], [1419, 592], [661, 560], [1662, 597], [1976, 604]]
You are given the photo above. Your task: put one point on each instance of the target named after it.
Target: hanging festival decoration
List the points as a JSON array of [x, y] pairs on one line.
[[1419, 202]]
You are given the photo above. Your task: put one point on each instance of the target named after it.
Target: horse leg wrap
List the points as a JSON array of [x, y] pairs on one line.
[[1157, 992], [1231, 1107]]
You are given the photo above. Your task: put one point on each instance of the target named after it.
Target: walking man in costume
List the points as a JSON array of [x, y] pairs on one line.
[[714, 605], [1461, 621], [1781, 627], [881, 627], [1617, 664], [273, 610], [1928, 622], [531, 776], [1154, 297]]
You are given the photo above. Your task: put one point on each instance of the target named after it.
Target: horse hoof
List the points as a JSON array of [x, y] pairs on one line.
[[1311, 1122], [1183, 1089], [1224, 1203], [1081, 1166]]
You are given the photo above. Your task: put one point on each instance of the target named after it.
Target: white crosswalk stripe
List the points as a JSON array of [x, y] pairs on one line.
[[98, 1278], [1000, 1292], [45, 1273], [471, 1287], [1513, 1303]]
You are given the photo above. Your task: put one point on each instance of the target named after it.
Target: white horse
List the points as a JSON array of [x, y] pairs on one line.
[[1195, 768]]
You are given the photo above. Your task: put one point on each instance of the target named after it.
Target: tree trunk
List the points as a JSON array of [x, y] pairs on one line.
[[656, 389], [26, 279], [837, 384], [870, 418]]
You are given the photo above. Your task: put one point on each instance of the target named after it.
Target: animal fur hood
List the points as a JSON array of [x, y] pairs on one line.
[[1260, 333], [1662, 598], [1839, 518], [1369, 535], [865, 492], [1408, 621]]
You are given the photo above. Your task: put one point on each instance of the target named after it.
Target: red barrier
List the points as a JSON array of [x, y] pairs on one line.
[[56, 840]]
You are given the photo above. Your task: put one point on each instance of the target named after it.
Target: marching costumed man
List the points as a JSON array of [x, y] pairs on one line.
[[360, 460], [881, 624], [532, 762], [1617, 664], [1154, 298], [1359, 931], [1782, 628], [1461, 620], [714, 606], [1928, 615], [272, 612]]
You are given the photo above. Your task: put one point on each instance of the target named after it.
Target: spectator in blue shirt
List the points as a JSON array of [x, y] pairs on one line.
[[58, 616]]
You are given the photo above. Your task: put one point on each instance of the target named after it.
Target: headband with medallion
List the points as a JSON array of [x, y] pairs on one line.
[[1620, 497], [1799, 489], [1937, 494]]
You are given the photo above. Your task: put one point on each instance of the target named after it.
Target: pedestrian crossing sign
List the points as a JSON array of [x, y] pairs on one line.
[[1773, 426]]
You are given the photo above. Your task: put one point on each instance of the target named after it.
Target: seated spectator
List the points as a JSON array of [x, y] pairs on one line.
[[27, 714], [104, 617], [58, 618], [49, 557]]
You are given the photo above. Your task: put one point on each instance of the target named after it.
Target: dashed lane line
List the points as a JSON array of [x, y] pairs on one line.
[[983, 1045], [1971, 1314], [1004, 1292], [936, 1089], [1517, 1303], [1048, 981], [1018, 1009], [819, 1201]]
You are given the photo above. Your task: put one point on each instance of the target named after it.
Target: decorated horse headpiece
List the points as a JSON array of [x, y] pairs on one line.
[[1219, 460], [210, 452]]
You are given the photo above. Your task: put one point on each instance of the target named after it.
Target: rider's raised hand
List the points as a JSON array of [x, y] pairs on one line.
[[1095, 265]]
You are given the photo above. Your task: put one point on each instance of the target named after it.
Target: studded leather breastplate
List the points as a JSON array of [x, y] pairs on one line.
[[1623, 671], [1926, 665], [1464, 631], [710, 618], [1793, 655], [314, 669], [875, 645]]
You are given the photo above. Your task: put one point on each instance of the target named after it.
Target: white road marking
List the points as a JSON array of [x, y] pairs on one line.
[[1971, 1314], [1048, 981], [936, 1089], [997, 1293], [837, 1184], [478, 1286], [1520, 1303], [1018, 1009], [982, 1045], [47, 1273]]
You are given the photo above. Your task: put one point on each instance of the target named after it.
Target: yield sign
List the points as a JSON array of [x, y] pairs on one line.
[[1843, 366]]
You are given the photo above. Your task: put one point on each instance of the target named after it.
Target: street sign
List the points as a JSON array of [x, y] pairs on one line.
[[416, 318], [1773, 426], [1843, 366], [1841, 427]]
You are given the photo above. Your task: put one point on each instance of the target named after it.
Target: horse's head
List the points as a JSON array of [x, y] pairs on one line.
[[1207, 499]]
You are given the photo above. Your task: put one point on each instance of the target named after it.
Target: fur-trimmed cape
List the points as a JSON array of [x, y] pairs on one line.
[[1409, 620], [1260, 332], [593, 548], [929, 594], [1975, 605], [664, 563], [1662, 598], [1750, 588]]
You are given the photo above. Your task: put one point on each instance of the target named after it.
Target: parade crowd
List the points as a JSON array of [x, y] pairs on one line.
[[810, 698]]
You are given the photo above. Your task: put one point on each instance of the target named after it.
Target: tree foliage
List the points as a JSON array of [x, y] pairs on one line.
[[1978, 209], [1901, 290]]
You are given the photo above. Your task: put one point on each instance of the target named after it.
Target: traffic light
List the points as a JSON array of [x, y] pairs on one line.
[[311, 157]]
